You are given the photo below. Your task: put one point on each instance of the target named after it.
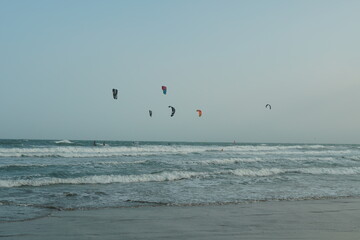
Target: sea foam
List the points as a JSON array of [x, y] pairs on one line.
[[103, 179]]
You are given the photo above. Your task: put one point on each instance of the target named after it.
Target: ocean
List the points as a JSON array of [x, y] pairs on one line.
[[38, 177]]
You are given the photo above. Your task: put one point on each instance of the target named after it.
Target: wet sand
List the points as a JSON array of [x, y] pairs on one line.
[[310, 219]]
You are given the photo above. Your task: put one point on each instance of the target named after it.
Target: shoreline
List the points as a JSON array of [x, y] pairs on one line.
[[307, 219]]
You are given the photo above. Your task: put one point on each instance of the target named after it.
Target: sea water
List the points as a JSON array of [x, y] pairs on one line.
[[38, 177]]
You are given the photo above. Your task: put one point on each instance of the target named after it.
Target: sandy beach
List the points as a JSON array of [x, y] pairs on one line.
[[310, 219]]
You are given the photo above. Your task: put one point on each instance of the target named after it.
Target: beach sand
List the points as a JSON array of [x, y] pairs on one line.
[[309, 219]]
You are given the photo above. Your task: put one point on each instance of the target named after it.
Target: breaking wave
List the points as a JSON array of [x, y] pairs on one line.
[[175, 176], [97, 151], [64, 142], [69, 149], [103, 179], [35, 165]]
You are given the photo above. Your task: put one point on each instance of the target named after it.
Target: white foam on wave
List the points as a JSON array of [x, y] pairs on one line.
[[289, 149], [267, 148], [276, 171], [64, 142], [55, 164], [103, 151], [174, 176], [104, 179], [263, 159], [257, 172], [312, 159], [150, 150], [332, 171]]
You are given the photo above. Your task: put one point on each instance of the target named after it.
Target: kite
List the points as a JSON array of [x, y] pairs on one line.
[[172, 111], [164, 88], [115, 91]]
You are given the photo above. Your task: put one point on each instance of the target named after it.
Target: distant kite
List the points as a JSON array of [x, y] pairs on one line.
[[199, 112], [268, 105], [172, 111], [164, 89], [115, 93], [150, 113]]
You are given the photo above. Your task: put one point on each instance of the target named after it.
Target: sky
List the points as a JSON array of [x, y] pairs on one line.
[[60, 60]]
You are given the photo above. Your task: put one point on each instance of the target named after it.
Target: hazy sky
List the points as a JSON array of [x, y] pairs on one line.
[[59, 61]]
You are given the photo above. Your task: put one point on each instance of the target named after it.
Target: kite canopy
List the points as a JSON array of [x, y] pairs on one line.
[[199, 112], [150, 113], [172, 111], [268, 106], [164, 89], [115, 93]]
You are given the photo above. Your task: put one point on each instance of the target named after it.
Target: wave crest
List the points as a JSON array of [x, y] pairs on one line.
[[103, 179]]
